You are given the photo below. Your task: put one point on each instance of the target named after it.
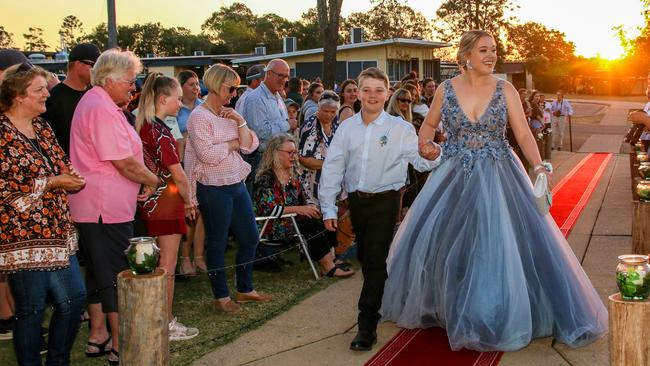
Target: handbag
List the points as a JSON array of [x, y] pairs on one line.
[[543, 197]]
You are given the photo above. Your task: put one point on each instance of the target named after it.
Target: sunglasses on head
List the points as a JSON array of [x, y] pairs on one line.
[[333, 97], [25, 66], [407, 101]]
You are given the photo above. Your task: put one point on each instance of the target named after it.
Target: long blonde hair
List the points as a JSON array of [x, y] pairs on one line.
[[270, 160], [156, 85], [393, 105]]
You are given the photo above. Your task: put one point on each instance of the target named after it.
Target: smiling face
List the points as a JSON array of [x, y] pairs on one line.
[[33, 102], [276, 75], [121, 87], [430, 88], [171, 104], [191, 89], [483, 56], [373, 93], [350, 93]]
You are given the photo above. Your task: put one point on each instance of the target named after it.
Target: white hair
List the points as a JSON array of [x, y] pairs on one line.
[[114, 64]]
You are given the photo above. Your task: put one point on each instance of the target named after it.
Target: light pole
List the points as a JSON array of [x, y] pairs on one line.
[[112, 26]]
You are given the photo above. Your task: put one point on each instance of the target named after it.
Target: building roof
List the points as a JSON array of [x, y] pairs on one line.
[[190, 60], [392, 41]]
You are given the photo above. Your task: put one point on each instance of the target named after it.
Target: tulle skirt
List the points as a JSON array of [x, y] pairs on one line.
[[474, 256]]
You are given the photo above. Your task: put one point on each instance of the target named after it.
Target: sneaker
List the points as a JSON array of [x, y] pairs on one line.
[[6, 329], [179, 332]]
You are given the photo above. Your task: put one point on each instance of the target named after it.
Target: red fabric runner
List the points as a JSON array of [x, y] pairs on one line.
[[430, 347]]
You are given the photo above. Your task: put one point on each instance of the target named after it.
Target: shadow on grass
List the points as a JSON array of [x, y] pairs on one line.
[[193, 306]]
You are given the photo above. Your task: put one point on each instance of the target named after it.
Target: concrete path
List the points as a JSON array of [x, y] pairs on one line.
[[318, 331]]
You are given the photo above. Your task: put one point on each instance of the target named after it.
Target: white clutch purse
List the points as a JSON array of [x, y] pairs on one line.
[[543, 196]]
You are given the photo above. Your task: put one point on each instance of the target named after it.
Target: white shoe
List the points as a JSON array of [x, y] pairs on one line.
[[179, 332]]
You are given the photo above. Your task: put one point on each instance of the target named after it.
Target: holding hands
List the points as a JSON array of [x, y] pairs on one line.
[[429, 150], [69, 179]]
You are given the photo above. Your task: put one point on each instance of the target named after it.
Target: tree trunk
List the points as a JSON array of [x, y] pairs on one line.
[[144, 326], [629, 332], [329, 15]]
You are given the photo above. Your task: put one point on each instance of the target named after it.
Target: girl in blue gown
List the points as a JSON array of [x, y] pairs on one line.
[[474, 255]]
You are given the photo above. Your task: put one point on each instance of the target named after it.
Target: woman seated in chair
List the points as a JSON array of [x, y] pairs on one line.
[[278, 191]]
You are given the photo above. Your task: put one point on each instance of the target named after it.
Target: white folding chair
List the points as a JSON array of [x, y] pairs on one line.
[[301, 238]]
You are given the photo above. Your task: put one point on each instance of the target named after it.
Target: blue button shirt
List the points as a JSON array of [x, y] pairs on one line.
[[266, 114], [184, 115]]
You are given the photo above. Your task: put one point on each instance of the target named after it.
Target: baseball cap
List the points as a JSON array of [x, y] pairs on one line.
[[10, 57], [255, 72], [84, 52]]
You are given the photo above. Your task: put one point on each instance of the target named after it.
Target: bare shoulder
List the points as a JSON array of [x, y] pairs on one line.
[[509, 89]]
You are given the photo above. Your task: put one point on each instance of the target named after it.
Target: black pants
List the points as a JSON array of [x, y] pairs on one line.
[[373, 219], [319, 240]]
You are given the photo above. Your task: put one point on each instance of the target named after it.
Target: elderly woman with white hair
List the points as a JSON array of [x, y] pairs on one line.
[[316, 134], [107, 151]]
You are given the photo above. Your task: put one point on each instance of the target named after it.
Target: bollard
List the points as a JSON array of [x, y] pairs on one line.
[[144, 326]]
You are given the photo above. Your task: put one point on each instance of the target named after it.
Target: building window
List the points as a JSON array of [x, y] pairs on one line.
[[355, 67], [398, 69], [428, 69]]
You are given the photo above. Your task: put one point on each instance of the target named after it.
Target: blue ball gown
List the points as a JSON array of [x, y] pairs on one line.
[[474, 256]]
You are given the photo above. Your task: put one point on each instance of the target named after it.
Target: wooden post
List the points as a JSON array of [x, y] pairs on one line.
[[640, 227], [144, 326], [629, 332], [634, 174]]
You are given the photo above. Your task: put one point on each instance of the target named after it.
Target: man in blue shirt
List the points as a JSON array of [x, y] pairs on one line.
[[266, 113], [369, 156]]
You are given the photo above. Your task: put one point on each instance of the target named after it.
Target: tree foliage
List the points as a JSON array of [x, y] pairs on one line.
[[455, 17], [71, 30], [6, 38], [531, 39], [34, 40], [389, 19]]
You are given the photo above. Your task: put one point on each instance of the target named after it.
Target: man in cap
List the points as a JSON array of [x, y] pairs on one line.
[[65, 96], [254, 77], [9, 57]]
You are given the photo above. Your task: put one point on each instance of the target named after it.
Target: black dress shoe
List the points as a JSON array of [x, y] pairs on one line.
[[364, 341]]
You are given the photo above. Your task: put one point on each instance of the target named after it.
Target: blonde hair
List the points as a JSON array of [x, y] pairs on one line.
[[15, 82], [113, 64], [467, 42], [373, 73], [217, 75], [393, 105], [270, 160], [156, 85]]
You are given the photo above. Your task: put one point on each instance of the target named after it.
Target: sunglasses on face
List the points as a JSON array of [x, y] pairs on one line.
[[88, 62], [407, 101]]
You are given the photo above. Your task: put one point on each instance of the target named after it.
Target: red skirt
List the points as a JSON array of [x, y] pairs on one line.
[[165, 227]]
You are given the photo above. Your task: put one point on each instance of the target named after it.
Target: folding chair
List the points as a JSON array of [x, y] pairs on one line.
[[301, 238]]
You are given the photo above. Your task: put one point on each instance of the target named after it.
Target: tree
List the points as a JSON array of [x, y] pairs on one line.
[[329, 16], [455, 17], [270, 29], [233, 26], [307, 30], [389, 19], [532, 39], [6, 38], [71, 30], [34, 40]]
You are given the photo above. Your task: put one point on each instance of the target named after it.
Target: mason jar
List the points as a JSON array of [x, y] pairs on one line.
[[633, 276]]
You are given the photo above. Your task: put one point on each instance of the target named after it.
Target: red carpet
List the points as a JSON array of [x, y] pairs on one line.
[[430, 347]]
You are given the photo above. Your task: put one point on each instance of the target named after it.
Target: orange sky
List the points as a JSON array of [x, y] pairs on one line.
[[587, 23]]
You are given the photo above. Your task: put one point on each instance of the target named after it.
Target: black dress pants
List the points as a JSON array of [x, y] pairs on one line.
[[373, 218]]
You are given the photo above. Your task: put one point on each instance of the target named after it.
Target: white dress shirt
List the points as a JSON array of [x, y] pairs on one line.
[[372, 158]]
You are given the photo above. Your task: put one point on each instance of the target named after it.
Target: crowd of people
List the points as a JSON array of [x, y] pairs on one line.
[[86, 161]]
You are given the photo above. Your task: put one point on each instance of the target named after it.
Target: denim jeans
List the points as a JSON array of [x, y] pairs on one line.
[[223, 208], [62, 289]]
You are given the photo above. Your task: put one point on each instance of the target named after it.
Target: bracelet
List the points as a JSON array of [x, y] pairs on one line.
[[242, 125]]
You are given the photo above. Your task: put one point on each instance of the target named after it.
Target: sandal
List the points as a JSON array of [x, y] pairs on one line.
[[200, 265], [102, 347], [186, 268], [113, 360], [347, 272]]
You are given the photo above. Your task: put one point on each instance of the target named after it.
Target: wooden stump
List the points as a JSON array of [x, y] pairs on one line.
[[144, 326], [634, 174], [640, 227], [629, 332]]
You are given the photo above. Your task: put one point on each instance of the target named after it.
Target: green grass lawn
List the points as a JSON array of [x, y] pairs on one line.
[[193, 306]]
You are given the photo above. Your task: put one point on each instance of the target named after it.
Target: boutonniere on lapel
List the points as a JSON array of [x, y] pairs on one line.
[[383, 140]]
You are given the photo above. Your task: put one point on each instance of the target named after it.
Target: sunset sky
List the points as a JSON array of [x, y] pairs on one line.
[[587, 23]]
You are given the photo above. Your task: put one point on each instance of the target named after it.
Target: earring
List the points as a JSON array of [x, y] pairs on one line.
[[468, 65]]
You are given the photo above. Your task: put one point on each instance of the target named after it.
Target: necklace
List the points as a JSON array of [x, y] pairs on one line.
[[207, 106]]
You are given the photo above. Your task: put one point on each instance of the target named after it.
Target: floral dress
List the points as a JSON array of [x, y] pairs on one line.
[[270, 199], [314, 143]]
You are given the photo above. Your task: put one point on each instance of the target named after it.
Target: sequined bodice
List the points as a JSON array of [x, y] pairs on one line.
[[472, 141]]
